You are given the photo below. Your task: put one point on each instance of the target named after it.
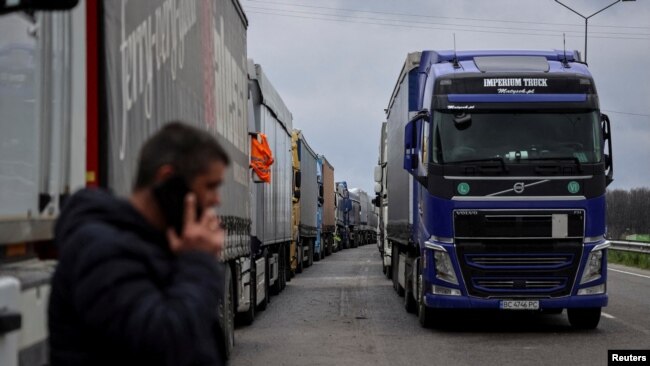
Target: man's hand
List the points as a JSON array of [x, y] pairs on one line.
[[205, 235]]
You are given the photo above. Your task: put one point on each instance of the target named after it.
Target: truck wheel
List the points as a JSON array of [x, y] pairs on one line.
[[287, 263], [310, 257], [410, 304], [248, 317], [263, 304], [226, 314], [584, 318], [277, 286], [425, 314], [299, 253], [283, 266], [319, 255]]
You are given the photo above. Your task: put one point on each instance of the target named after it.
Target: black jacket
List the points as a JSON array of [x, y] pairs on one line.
[[120, 297]]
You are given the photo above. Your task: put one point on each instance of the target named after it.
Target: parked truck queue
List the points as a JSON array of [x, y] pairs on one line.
[[89, 87]]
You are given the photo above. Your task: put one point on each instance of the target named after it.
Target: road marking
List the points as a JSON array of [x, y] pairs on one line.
[[630, 273], [608, 316]]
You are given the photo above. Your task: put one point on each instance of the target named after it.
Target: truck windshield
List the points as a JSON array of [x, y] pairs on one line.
[[516, 137]]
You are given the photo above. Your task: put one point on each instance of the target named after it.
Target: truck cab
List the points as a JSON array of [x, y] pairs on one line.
[[507, 158]]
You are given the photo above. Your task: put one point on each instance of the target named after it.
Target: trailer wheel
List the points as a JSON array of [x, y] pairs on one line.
[[278, 286], [318, 256], [248, 317], [584, 318], [282, 270], [226, 315], [287, 267], [299, 253], [310, 257], [262, 305]]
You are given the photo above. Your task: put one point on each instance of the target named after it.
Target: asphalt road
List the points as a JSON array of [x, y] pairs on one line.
[[343, 311]]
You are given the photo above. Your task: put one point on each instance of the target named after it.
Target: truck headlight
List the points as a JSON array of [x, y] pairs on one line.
[[593, 268], [444, 268]]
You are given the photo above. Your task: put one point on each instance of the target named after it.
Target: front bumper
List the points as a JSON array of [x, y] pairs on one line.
[[464, 302]]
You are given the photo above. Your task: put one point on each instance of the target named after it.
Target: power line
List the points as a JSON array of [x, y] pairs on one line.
[[436, 28], [441, 24], [627, 113], [439, 17]]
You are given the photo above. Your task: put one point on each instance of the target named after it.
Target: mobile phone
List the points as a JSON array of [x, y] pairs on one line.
[[170, 195]]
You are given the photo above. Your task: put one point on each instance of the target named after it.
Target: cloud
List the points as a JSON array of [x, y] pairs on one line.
[[337, 77]]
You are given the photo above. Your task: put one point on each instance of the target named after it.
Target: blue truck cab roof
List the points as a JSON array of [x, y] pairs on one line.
[[443, 61], [500, 79]]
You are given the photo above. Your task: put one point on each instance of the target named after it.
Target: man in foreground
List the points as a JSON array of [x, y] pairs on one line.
[[138, 282]]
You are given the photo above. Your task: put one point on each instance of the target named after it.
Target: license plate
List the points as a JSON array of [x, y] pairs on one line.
[[519, 304]]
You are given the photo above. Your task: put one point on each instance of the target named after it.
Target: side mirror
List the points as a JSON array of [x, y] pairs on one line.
[[410, 143], [377, 201], [411, 139], [7, 6], [296, 179], [377, 188], [378, 174], [609, 157]]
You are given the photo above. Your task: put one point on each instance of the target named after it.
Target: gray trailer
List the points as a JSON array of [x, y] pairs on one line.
[[355, 218], [271, 202], [308, 226], [366, 231], [106, 76], [328, 227]]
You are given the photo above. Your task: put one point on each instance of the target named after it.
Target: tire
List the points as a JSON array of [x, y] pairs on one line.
[[310, 259], [395, 264], [318, 256], [226, 315], [300, 266], [248, 317], [425, 314], [283, 266], [262, 305], [287, 260], [277, 286], [584, 318], [410, 304]]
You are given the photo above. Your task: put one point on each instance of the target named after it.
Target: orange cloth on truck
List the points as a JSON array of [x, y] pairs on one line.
[[261, 157]]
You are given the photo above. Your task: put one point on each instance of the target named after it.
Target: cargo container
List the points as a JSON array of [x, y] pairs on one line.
[[342, 215], [354, 225], [271, 201], [497, 167], [308, 199], [87, 87], [328, 227]]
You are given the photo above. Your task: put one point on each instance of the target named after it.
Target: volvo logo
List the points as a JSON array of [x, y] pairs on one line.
[[519, 187]]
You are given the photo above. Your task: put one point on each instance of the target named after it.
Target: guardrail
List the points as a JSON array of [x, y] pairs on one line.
[[630, 246]]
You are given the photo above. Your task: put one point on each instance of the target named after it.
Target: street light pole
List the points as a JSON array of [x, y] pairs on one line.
[[586, 18]]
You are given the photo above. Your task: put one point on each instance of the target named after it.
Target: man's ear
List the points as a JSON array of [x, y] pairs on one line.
[[164, 172]]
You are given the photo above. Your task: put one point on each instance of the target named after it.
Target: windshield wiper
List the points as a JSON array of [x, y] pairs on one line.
[[564, 158], [497, 159]]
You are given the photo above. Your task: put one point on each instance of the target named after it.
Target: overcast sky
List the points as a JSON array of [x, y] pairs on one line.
[[336, 75]]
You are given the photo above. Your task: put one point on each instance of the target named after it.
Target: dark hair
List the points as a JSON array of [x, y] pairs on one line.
[[188, 149]]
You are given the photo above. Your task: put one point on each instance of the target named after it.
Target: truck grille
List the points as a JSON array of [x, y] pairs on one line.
[[527, 267], [519, 254], [519, 285]]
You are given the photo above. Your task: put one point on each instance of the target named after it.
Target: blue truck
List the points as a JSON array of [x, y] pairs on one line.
[[497, 166], [343, 212]]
